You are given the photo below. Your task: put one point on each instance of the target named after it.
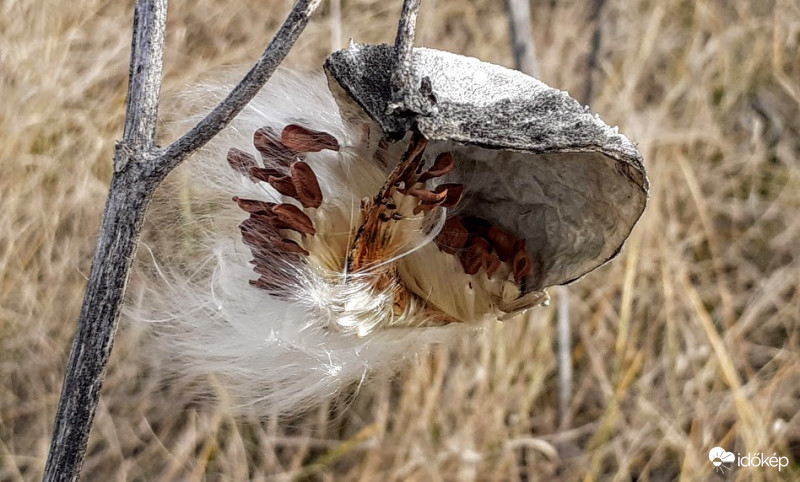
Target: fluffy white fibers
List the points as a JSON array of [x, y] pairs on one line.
[[282, 354]]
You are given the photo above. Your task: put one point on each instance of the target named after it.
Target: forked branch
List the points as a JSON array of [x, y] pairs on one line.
[[139, 167]]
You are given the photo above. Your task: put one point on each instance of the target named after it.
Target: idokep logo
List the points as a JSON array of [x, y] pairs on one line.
[[719, 457]]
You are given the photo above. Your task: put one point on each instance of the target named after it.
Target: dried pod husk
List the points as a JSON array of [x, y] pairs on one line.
[[532, 160], [329, 264]]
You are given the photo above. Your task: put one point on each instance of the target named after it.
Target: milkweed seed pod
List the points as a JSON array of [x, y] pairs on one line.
[[538, 164], [348, 246]]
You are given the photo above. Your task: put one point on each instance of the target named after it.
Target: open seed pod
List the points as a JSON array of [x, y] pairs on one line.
[[503, 188], [349, 245], [532, 161]]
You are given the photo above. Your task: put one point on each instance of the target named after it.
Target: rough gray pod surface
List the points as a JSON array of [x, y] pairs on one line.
[[532, 159]]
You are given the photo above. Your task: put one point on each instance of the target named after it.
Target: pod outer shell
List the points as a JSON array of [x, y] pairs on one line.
[[533, 160]]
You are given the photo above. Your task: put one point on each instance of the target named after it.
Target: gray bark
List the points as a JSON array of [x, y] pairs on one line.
[[139, 167], [522, 44], [594, 52], [411, 95]]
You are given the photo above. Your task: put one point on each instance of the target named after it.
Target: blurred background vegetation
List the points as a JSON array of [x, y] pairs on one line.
[[689, 340]]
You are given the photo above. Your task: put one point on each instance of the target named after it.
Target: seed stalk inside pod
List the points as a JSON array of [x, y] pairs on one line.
[[426, 269]]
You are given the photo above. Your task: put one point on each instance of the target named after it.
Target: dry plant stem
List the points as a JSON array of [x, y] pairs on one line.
[[591, 66], [522, 44], [139, 167], [524, 49], [336, 24], [244, 92], [119, 233], [411, 97], [402, 81]]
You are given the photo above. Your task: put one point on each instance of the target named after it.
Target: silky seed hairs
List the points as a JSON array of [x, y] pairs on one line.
[[338, 249]]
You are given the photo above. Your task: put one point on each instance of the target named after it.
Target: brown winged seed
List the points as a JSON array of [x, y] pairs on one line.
[[289, 246], [472, 259], [427, 195], [521, 265], [300, 139], [263, 174], [271, 148], [453, 193], [295, 218], [503, 242], [443, 164], [284, 185], [490, 263], [453, 236], [241, 161], [306, 185], [252, 205]]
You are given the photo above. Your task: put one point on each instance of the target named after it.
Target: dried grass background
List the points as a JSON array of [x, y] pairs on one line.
[[689, 340]]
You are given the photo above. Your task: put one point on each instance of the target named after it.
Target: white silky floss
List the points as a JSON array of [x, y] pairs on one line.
[[363, 258]]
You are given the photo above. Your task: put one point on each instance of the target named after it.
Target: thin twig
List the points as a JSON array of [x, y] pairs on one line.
[[139, 167], [411, 97], [336, 24], [402, 81], [591, 64], [564, 359], [524, 49], [522, 44], [245, 90], [147, 59]]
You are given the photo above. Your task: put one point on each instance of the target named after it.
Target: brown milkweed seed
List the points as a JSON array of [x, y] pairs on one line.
[[427, 195], [257, 231], [268, 284], [263, 174], [453, 193], [306, 185], [503, 242], [289, 246], [241, 161], [252, 205], [443, 164], [471, 260], [521, 265], [479, 241], [453, 236], [284, 185], [490, 263], [295, 218], [300, 139], [271, 219], [271, 148]]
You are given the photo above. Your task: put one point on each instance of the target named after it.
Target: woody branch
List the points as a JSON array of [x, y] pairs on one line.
[[139, 167]]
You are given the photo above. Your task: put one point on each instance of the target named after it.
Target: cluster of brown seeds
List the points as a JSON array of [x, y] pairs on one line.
[[484, 246], [268, 230], [406, 180], [480, 244], [265, 231]]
